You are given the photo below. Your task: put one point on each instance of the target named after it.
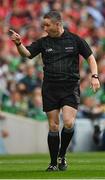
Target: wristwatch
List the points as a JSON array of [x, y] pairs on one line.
[[95, 76], [18, 44]]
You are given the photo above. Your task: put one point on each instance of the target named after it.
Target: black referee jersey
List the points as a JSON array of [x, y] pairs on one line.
[[60, 55]]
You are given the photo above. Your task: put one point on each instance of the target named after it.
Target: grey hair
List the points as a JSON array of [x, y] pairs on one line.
[[53, 15]]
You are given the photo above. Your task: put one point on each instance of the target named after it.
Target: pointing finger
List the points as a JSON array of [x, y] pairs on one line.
[[12, 31]]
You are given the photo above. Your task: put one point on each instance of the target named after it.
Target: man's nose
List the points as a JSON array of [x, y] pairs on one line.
[[45, 28]]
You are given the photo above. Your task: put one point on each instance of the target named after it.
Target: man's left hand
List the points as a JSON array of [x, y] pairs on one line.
[[95, 83]]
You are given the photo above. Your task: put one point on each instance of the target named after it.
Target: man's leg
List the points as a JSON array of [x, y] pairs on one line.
[[53, 137], [69, 115]]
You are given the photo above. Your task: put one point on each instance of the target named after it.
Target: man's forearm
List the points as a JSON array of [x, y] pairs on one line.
[[92, 64], [23, 51]]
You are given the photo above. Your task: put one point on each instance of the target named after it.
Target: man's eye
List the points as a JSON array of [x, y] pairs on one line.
[[47, 25], [42, 26]]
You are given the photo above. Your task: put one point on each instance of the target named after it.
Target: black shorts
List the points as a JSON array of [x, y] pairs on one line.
[[55, 95]]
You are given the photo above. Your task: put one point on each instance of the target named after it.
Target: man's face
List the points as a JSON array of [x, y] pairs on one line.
[[51, 27]]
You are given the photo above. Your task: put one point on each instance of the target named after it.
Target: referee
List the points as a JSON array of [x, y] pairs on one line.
[[60, 51]]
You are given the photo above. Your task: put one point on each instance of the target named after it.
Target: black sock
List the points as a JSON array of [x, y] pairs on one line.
[[53, 144], [66, 136]]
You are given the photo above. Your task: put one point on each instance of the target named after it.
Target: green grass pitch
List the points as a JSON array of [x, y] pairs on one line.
[[80, 165]]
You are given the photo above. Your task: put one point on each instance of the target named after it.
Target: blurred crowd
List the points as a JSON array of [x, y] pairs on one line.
[[21, 79]]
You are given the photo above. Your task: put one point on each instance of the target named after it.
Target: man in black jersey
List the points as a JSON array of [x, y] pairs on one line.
[[60, 51]]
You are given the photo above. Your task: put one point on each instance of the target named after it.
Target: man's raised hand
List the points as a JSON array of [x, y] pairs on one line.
[[15, 37]]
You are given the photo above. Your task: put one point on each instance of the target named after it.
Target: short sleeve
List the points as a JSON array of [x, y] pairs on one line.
[[84, 48], [34, 48]]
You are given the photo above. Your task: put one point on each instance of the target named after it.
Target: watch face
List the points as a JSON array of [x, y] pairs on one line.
[[95, 76]]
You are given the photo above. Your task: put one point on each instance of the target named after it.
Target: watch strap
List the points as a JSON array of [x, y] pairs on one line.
[[95, 76]]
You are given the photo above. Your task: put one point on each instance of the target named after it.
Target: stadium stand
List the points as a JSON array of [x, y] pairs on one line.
[[18, 83]]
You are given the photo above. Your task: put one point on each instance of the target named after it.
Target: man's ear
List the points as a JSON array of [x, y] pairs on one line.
[[58, 23]]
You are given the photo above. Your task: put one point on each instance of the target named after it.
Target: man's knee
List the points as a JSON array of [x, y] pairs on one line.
[[69, 115], [68, 123], [54, 126]]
